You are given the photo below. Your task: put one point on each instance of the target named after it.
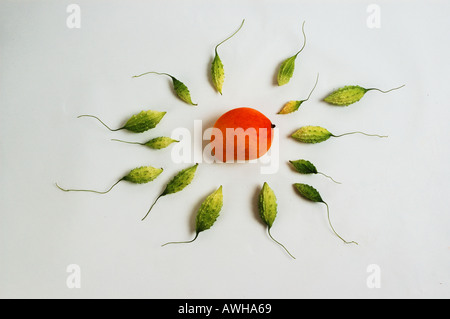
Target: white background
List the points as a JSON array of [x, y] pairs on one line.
[[394, 196]]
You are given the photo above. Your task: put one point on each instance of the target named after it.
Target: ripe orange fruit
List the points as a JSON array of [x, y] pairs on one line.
[[241, 134]]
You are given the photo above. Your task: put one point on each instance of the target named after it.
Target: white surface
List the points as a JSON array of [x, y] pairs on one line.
[[394, 197]]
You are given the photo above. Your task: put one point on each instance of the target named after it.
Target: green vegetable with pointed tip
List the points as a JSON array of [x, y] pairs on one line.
[[286, 70], [293, 106], [156, 143], [138, 123], [306, 167], [310, 193], [267, 205], [207, 214], [179, 87], [317, 134], [217, 70], [351, 94], [178, 183], [140, 175]]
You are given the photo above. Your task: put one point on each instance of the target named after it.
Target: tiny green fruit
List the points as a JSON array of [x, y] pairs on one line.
[[310, 193], [306, 167], [351, 94], [316, 134], [138, 123], [156, 143], [179, 87], [140, 175], [293, 106], [182, 179], [217, 70], [207, 214], [267, 205], [286, 70]]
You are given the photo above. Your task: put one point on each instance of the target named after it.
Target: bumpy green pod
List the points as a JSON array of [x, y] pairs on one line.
[[179, 87], [207, 214], [310, 193], [182, 179], [138, 123], [267, 205], [316, 134], [350, 94], [306, 167], [293, 106], [217, 70], [286, 70], [140, 175], [156, 143], [311, 134]]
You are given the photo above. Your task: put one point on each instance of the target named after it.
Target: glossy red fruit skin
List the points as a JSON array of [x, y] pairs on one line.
[[256, 127]]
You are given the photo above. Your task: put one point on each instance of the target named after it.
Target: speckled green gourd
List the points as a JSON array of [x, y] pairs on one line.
[[156, 143], [316, 134], [138, 123], [217, 69], [350, 94], [182, 179], [287, 67], [140, 175], [179, 87], [207, 214], [311, 134], [143, 174], [293, 106], [310, 193], [267, 205]]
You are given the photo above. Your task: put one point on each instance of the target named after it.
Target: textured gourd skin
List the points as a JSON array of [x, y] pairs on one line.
[[290, 107], [311, 134], [347, 95], [286, 70], [209, 211], [182, 91], [144, 121], [143, 174], [161, 142], [181, 180], [267, 205], [218, 73]]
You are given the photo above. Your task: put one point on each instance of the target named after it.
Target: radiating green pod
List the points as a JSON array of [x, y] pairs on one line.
[[286, 70], [207, 214], [350, 94], [156, 143], [217, 70], [138, 123], [310, 193], [293, 106], [306, 167], [140, 175], [179, 87], [182, 179], [267, 205], [317, 134]]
